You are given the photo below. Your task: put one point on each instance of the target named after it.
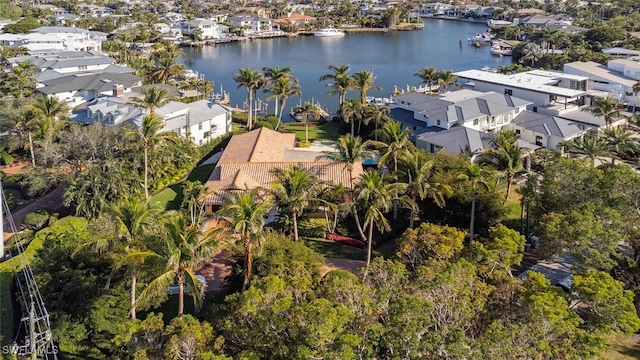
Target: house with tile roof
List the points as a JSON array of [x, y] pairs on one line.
[[248, 161]]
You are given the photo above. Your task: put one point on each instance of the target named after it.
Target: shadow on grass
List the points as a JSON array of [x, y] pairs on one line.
[[171, 197], [333, 249]]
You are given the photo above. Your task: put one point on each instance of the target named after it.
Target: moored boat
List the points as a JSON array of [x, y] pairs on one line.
[[328, 32], [500, 48]]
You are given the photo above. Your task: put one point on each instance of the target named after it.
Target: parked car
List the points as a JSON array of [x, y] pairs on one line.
[[175, 289]]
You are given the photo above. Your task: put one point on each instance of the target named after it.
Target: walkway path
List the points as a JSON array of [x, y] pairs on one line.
[[51, 201]]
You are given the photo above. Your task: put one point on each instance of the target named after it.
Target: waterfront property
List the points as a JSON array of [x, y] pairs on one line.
[[248, 160]]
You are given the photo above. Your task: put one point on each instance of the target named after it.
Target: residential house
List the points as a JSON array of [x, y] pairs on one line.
[[55, 10], [96, 11], [248, 161], [253, 24], [434, 9], [208, 29], [63, 19], [616, 80], [296, 19], [621, 52], [201, 121], [548, 92], [48, 38], [458, 139], [481, 111], [79, 88], [539, 20], [546, 130], [168, 32]]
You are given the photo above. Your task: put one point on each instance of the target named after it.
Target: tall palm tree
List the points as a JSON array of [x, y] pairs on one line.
[[252, 80], [351, 109], [593, 147], [306, 110], [274, 74], [184, 248], [363, 81], [294, 189], [148, 137], [154, 97], [46, 117], [607, 108], [506, 156], [397, 141], [416, 171], [476, 175], [446, 78], [379, 116], [636, 88], [428, 75], [246, 212], [341, 81], [165, 69], [351, 151], [618, 141], [281, 89], [533, 52], [375, 195], [134, 220]]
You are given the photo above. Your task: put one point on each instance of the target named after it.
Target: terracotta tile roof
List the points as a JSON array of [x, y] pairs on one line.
[[233, 177], [260, 145]]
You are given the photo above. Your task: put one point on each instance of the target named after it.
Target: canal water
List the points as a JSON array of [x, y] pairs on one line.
[[394, 58]]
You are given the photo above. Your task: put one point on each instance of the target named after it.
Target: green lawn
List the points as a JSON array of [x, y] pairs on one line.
[[621, 347], [334, 249], [326, 131], [171, 197]]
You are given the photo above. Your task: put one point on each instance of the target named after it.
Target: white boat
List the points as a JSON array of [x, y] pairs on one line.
[[328, 32], [500, 48]]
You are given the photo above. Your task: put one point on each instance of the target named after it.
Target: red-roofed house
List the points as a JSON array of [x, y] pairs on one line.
[[296, 19]]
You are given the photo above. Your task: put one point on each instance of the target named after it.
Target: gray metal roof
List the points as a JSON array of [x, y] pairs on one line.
[[583, 117], [458, 138], [550, 125], [196, 112], [92, 82]]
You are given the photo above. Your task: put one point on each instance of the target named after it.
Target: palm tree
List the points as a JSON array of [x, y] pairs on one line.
[[506, 156], [446, 78], [351, 151], [607, 108], [591, 146], [306, 110], [149, 136], [416, 171], [351, 109], [134, 221], [636, 88], [294, 189], [184, 249], [166, 68], [271, 75], [533, 52], [246, 212], [397, 141], [252, 80], [618, 141], [363, 80], [154, 97], [375, 197], [476, 175], [341, 82], [46, 117], [281, 89], [428, 75], [379, 116]]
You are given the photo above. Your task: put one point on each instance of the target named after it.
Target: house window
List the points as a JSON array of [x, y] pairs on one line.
[[414, 127], [508, 92], [539, 140], [438, 122], [200, 126], [82, 67], [432, 148], [518, 131], [475, 122], [517, 110]]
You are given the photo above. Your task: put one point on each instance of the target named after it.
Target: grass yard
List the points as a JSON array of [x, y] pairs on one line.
[[334, 249], [171, 197], [326, 131]]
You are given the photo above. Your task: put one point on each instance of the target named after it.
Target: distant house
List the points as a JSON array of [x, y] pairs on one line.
[[546, 130], [549, 92], [201, 121], [97, 11], [208, 29], [481, 111], [80, 88], [621, 52], [296, 19], [253, 24], [539, 20], [48, 38], [248, 161]]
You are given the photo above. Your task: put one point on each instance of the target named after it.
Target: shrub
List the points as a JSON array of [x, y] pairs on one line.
[[314, 228], [36, 220], [304, 143]]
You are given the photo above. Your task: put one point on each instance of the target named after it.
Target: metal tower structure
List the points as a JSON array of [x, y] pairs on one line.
[[38, 343]]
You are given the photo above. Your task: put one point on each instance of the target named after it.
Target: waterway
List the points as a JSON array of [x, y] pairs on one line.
[[394, 58]]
